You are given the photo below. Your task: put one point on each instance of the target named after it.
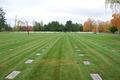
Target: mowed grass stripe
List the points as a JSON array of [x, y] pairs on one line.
[[70, 69], [114, 57], [107, 47], [19, 49], [26, 47], [56, 64], [27, 71], [105, 52], [18, 41], [61, 61], [36, 68], [14, 61], [19, 56], [103, 63], [79, 60]]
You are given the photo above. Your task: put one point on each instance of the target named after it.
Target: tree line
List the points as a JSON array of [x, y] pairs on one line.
[[90, 25], [56, 26], [38, 26], [52, 26], [113, 25]]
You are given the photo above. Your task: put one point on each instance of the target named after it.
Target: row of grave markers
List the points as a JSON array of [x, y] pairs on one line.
[[95, 76], [15, 73]]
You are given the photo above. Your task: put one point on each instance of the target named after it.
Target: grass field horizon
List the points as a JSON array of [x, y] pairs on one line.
[[59, 56]]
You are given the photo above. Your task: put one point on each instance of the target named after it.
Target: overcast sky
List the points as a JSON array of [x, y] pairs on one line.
[[55, 10]]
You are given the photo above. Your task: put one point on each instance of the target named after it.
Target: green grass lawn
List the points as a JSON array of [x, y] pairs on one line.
[[59, 59]]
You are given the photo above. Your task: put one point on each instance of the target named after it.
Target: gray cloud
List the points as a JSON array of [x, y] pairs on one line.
[[47, 10]]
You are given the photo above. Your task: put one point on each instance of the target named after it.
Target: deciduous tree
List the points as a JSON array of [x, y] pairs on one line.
[[88, 25], [37, 26], [116, 21], [114, 4]]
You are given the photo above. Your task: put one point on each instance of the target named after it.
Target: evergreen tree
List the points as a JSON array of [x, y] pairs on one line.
[[2, 19]]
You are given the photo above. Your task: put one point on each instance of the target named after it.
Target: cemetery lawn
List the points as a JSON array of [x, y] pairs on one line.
[[59, 56]]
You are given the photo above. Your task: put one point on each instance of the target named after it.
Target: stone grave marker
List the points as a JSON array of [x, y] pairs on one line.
[[12, 75], [95, 76], [29, 61], [86, 62]]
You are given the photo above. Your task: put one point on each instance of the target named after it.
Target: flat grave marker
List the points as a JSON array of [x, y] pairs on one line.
[[38, 54], [81, 55], [95, 76], [12, 75], [86, 62], [29, 61]]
